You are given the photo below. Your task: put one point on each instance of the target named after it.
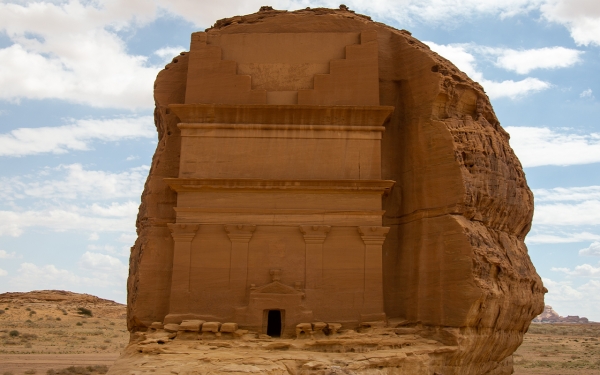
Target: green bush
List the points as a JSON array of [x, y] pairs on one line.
[[84, 311], [13, 333]]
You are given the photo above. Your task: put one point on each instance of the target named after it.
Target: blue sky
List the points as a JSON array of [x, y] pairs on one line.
[[77, 133]]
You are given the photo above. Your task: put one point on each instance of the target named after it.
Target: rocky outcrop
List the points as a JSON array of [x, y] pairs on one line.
[[455, 266], [551, 316]]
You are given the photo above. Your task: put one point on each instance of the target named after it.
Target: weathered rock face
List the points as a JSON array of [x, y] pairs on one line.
[[455, 267]]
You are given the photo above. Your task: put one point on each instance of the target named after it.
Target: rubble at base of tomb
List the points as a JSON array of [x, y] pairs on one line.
[[393, 348]]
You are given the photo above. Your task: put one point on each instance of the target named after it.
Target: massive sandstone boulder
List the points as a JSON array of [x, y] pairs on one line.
[[455, 266]]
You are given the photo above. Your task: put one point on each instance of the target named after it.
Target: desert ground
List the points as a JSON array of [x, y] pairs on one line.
[[54, 336], [46, 332], [559, 349]]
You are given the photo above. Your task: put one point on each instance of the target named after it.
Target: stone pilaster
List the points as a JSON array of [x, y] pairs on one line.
[[373, 237], [314, 236], [240, 235], [183, 235]]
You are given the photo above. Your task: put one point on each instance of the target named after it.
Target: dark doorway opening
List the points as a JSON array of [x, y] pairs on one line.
[[274, 323]]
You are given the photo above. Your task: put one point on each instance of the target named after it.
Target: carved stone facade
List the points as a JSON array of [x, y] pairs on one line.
[[279, 183]]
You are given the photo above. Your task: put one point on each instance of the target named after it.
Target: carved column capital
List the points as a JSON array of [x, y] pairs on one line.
[[315, 234], [240, 232], [183, 232], [372, 235]]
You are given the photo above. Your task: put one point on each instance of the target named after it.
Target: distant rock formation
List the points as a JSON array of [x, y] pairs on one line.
[[551, 316]]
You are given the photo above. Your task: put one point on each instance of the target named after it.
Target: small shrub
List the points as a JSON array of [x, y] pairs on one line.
[[6, 308], [7, 373], [13, 333], [29, 372], [112, 323], [79, 370], [59, 319], [28, 321], [28, 345], [28, 309], [32, 312], [84, 311], [108, 341], [1, 312], [29, 336], [78, 324]]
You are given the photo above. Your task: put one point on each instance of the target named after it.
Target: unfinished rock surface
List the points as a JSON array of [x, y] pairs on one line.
[[341, 169]]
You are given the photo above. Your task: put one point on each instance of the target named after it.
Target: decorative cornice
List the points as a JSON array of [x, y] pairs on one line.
[[240, 232], [315, 234], [183, 232], [372, 235], [283, 114], [195, 184]]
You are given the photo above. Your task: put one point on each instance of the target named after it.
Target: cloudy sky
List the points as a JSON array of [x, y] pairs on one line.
[[77, 134]]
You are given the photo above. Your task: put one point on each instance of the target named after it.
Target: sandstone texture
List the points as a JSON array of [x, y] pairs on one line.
[[330, 180]]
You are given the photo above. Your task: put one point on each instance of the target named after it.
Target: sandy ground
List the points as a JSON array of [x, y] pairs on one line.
[[41, 332], [563, 349], [41, 363], [53, 335]]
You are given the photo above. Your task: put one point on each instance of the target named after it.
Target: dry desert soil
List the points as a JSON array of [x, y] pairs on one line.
[[54, 337]]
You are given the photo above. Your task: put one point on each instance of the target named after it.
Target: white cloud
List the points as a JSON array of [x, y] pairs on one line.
[[567, 194], [123, 251], [524, 61], [571, 208], [30, 276], [537, 146], [581, 17], [561, 291], [577, 214], [567, 299], [127, 238], [116, 217], [94, 237], [462, 56], [71, 51], [592, 250], [3, 272], [513, 89], [584, 270], [103, 264], [76, 136], [168, 53], [6, 255], [76, 183], [560, 237], [587, 94]]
